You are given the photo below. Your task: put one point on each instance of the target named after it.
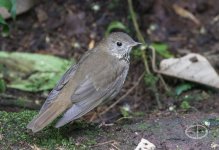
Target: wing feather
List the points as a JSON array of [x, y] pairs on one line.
[[87, 97], [62, 82]]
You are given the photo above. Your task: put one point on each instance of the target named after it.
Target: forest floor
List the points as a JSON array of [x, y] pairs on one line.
[[67, 28]]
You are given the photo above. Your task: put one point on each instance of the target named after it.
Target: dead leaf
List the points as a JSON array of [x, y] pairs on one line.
[[145, 145], [214, 145], [185, 14], [91, 44], [192, 67], [41, 15]]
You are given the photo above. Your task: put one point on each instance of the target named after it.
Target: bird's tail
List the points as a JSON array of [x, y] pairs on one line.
[[46, 117]]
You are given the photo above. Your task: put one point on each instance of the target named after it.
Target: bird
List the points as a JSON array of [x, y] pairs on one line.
[[98, 76]]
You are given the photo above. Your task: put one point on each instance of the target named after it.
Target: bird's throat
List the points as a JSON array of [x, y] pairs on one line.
[[125, 56]]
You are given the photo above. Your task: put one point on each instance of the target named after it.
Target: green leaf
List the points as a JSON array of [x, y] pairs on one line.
[[183, 87], [6, 3], [2, 21], [162, 49], [116, 25], [5, 27], [13, 8], [2, 86], [138, 113], [10, 5], [125, 111], [150, 80], [33, 72], [211, 123], [5, 30], [185, 105]]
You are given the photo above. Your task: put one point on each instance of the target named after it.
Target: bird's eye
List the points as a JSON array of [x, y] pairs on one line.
[[119, 44]]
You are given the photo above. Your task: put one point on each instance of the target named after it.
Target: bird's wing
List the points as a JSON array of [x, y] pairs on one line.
[[56, 90], [58, 100], [88, 95], [62, 82]]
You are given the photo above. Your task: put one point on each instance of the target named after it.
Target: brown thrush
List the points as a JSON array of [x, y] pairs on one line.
[[98, 76]]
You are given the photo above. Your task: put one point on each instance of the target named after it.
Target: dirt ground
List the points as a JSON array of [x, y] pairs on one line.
[[66, 28]]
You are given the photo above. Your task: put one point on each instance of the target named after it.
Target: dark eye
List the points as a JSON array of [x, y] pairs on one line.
[[119, 44]]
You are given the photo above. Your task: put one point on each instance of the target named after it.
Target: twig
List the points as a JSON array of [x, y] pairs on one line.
[[139, 35], [93, 116], [114, 145], [104, 143], [141, 38], [154, 60], [167, 89], [9, 100], [126, 94]]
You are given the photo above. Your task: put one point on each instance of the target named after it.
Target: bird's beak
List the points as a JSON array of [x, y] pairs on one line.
[[136, 43]]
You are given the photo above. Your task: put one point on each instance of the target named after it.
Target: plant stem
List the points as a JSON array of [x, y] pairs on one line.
[[144, 57], [139, 35]]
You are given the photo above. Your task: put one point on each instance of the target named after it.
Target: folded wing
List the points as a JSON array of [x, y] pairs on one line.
[[87, 96]]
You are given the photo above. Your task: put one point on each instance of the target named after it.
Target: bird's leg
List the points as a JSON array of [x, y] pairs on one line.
[[100, 119]]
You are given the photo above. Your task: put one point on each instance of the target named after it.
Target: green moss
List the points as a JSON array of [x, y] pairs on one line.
[[143, 126], [14, 133], [214, 134]]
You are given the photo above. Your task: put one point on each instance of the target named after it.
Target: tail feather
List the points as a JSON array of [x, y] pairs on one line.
[[46, 117]]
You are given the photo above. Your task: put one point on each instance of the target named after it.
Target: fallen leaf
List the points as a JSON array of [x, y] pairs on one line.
[[116, 25], [185, 14], [91, 44], [41, 15], [145, 145], [32, 72], [192, 67], [214, 145]]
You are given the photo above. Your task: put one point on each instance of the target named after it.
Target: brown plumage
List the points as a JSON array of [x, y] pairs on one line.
[[98, 76]]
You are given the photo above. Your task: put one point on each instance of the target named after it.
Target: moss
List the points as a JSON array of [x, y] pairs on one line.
[[14, 133], [141, 126], [214, 134]]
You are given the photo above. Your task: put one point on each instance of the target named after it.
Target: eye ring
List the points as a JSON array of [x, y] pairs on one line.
[[119, 44]]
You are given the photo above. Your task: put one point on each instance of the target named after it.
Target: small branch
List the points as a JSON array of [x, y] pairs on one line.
[[157, 98], [167, 89], [144, 57], [154, 67], [104, 143], [126, 94], [9, 100], [139, 35]]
